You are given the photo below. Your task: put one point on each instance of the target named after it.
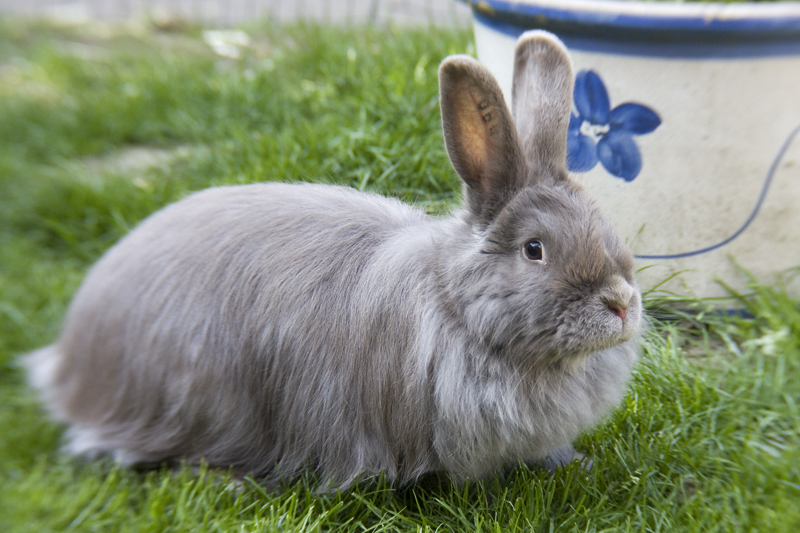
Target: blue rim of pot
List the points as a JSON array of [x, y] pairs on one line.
[[664, 29]]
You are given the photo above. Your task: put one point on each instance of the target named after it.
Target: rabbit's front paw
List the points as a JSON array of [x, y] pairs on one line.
[[561, 457]]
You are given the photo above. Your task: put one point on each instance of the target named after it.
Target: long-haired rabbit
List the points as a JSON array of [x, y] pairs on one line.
[[274, 328]]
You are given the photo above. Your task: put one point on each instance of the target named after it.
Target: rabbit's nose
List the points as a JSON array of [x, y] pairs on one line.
[[618, 299], [618, 308]]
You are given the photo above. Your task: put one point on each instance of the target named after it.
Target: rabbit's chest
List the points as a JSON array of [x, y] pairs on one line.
[[489, 416]]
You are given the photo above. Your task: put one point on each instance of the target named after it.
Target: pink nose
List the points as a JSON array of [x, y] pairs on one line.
[[619, 311]]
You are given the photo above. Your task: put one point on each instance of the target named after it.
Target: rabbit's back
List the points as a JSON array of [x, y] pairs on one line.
[[219, 329]]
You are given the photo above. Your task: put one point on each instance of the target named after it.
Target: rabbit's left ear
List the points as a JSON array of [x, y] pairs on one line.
[[542, 102]]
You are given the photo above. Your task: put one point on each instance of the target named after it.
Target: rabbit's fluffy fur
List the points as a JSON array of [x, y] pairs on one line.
[[276, 327]]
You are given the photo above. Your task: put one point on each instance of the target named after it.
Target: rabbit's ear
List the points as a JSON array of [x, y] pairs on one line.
[[480, 136], [542, 102]]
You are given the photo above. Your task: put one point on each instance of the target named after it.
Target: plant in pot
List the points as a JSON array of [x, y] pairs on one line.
[[685, 127]]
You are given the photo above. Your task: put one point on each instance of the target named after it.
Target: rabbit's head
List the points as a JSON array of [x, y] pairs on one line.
[[541, 275]]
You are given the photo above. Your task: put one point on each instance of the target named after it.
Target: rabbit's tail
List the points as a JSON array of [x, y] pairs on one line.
[[42, 369], [43, 375], [42, 366]]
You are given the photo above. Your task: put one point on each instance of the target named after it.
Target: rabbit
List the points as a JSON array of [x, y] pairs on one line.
[[278, 329]]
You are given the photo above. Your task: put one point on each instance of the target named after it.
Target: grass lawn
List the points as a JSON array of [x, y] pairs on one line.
[[99, 128]]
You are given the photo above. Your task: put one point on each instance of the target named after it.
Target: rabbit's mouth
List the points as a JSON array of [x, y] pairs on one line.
[[604, 326], [570, 343], [580, 330], [572, 333]]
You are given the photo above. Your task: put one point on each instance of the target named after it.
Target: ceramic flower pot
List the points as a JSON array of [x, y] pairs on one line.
[[685, 127]]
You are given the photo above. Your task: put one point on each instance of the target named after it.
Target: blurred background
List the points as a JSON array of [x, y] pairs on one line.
[[221, 13]]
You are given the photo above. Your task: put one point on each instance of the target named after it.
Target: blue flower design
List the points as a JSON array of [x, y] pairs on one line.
[[599, 133]]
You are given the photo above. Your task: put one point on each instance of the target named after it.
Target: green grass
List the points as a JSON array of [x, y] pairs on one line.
[[708, 439]]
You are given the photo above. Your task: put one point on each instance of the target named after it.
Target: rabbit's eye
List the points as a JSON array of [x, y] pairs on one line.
[[533, 251]]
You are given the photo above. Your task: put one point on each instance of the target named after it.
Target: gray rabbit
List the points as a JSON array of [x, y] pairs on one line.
[[275, 328]]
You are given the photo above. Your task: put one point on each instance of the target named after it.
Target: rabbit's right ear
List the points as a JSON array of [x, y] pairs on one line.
[[480, 136]]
